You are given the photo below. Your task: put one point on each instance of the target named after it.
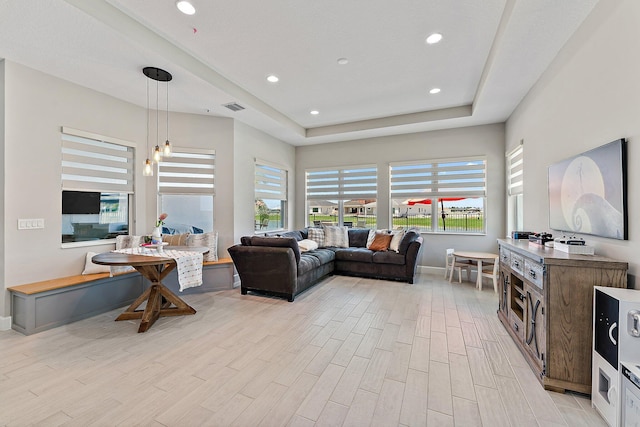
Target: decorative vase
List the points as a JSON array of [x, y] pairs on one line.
[[156, 236]]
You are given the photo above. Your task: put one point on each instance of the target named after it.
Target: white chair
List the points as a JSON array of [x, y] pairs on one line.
[[490, 271], [450, 265]]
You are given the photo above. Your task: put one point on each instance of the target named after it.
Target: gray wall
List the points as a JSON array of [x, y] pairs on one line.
[[588, 97], [471, 141]]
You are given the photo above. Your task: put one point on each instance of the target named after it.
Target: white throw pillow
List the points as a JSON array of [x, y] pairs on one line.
[[317, 235], [396, 239], [91, 268], [209, 240], [124, 242], [307, 245], [337, 237]]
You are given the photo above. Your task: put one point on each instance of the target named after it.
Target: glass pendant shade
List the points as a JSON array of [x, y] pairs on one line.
[[148, 168], [167, 149], [157, 154]]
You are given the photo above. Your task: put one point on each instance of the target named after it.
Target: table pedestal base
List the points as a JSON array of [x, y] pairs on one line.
[[159, 304]]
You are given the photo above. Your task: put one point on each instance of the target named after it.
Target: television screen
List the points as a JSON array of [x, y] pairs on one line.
[[588, 192], [80, 202]]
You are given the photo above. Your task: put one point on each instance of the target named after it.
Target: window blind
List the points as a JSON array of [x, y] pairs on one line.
[[270, 182], [342, 184], [452, 178], [187, 172], [515, 169], [90, 164]]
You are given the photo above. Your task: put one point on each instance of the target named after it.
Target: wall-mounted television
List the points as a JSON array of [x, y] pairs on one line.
[[80, 202], [588, 192]]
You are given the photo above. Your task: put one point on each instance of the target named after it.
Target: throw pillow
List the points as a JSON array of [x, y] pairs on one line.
[[91, 268], [381, 242], [372, 235], [396, 238], [209, 240], [176, 239], [307, 245], [336, 237], [317, 235], [124, 242]]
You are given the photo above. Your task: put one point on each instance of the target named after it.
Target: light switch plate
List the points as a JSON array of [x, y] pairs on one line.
[[30, 224]]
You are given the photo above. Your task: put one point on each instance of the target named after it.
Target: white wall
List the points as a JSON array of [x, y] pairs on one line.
[[36, 106], [472, 141], [4, 301], [250, 144], [588, 97]]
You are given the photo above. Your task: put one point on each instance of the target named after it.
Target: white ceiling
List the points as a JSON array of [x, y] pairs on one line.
[[492, 53]]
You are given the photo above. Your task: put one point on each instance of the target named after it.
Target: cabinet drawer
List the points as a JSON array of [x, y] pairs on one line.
[[505, 256], [516, 325], [533, 272], [517, 263]]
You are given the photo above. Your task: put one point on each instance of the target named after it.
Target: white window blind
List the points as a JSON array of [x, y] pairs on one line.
[[450, 178], [271, 182], [187, 172], [343, 184], [93, 164], [515, 169]]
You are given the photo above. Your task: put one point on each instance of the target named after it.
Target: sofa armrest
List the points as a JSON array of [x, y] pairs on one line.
[[266, 268], [411, 257]]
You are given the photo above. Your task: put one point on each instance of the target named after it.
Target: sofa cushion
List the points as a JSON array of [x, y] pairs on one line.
[[317, 234], [354, 254], [296, 234], [409, 237], [307, 263], [358, 237], [325, 256], [281, 242], [245, 240], [388, 257], [335, 236]]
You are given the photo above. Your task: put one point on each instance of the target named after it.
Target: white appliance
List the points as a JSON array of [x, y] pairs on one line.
[[630, 394], [616, 338]]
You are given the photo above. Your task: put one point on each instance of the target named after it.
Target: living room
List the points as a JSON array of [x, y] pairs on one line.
[[584, 99]]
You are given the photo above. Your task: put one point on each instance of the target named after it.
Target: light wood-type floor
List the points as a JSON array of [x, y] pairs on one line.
[[350, 352]]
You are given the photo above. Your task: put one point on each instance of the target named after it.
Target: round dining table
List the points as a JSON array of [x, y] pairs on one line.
[[477, 258], [160, 301]]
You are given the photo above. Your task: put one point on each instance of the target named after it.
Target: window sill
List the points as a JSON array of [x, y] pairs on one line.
[[87, 243]]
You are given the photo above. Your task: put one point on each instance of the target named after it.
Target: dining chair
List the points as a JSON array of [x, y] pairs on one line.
[[450, 265], [490, 270]]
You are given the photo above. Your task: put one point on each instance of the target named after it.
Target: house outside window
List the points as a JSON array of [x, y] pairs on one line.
[[186, 190], [97, 187], [345, 196], [515, 189], [444, 196], [270, 197]]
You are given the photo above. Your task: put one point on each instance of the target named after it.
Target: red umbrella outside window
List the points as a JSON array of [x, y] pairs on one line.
[[441, 200]]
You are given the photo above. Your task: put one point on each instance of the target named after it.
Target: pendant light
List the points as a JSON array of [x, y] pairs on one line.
[[158, 75]]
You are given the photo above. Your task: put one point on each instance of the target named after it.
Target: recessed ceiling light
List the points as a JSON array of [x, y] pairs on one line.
[[272, 78], [434, 90], [434, 38], [185, 7], [343, 61], [314, 112]]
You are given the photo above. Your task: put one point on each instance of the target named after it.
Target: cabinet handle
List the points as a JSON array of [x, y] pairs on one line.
[[515, 326], [516, 263], [532, 273], [521, 297]]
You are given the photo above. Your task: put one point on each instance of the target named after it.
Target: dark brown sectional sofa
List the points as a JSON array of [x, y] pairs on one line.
[[275, 265]]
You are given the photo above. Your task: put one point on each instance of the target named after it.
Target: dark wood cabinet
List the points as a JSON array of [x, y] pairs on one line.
[[545, 303]]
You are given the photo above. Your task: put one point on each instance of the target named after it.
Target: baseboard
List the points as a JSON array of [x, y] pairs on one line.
[[5, 323]]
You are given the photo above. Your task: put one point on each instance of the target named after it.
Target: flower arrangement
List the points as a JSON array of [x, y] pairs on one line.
[[161, 219]]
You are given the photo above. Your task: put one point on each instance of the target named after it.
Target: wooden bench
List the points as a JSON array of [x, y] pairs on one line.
[[43, 305]]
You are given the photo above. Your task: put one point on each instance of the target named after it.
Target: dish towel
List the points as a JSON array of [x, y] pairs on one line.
[[189, 264]]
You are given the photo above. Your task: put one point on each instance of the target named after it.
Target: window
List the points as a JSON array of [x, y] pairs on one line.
[[342, 196], [515, 190], [186, 190], [97, 185], [439, 195], [270, 197]]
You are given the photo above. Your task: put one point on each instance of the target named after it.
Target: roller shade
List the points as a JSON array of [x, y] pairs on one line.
[[515, 169], [270, 182], [187, 172], [451, 178], [96, 165], [342, 184]]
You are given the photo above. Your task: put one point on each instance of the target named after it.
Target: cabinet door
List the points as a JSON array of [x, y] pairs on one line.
[[535, 339], [503, 292]]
